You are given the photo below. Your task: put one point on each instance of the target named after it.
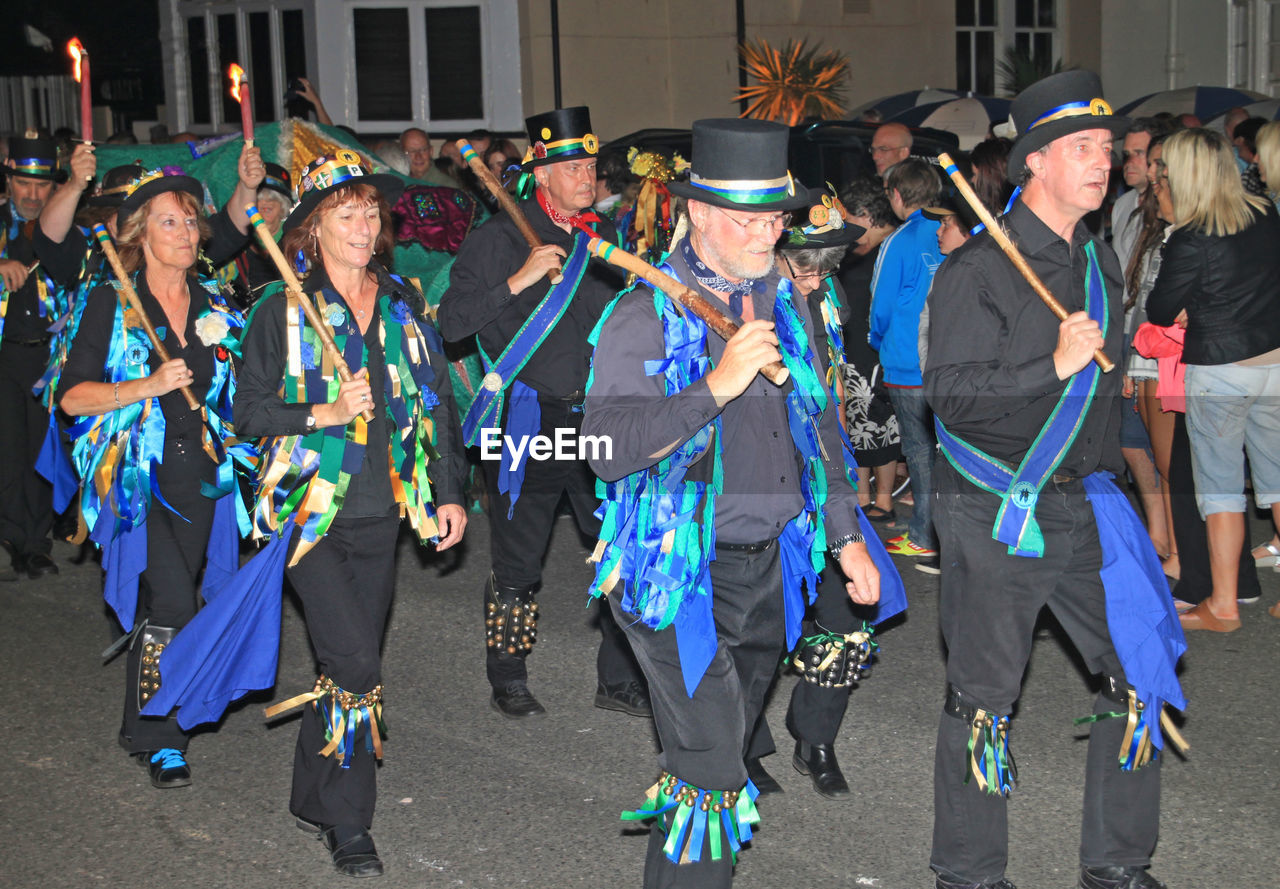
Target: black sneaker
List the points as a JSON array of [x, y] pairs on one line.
[[931, 565], [168, 768], [628, 697], [515, 701]]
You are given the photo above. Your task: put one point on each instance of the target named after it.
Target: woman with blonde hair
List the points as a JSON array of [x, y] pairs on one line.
[[1220, 276]]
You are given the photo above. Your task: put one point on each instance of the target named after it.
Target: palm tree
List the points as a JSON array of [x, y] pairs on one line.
[[794, 84], [1019, 69]]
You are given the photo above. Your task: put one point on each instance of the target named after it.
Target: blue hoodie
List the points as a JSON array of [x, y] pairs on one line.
[[899, 285]]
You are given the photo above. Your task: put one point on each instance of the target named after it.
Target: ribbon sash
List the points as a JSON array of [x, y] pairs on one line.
[[1019, 490], [487, 406]]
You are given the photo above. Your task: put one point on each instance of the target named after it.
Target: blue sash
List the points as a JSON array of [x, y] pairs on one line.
[[487, 407], [1019, 490]]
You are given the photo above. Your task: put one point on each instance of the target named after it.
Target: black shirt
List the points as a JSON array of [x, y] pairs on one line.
[[23, 321], [761, 465], [260, 411], [479, 302], [990, 376], [183, 427]]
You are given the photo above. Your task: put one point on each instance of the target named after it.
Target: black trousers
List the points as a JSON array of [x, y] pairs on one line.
[[1195, 582], [345, 583], [26, 499], [518, 543], [815, 712], [704, 737], [167, 591], [989, 605]]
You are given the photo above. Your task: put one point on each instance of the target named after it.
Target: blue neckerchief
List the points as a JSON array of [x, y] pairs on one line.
[[499, 374], [1015, 522], [711, 280]]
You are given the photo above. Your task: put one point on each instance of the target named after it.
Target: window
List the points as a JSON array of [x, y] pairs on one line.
[[198, 70], [455, 69], [976, 31], [1253, 45], [383, 68], [263, 81], [987, 29]]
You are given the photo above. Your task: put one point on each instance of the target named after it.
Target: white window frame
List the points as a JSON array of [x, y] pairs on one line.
[[500, 92], [1005, 34], [219, 85]]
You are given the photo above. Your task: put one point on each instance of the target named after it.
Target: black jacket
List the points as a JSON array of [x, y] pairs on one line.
[[1230, 287]]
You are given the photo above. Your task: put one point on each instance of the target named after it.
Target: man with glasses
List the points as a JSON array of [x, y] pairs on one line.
[[722, 493], [891, 144], [417, 147]]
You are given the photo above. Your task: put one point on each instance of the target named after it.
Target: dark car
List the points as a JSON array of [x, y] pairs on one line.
[[824, 151]]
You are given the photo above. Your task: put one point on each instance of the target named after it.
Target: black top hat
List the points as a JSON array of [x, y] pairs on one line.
[[1057, 106], [741, 165], [153, 183], [115, 185], [560, 135], [824, 225], [34, 158], [325, 173], [278, 179]]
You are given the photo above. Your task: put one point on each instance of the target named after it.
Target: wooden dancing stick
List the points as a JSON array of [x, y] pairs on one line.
[[131, 296], [504, 199], [695, 302], [308, 307], [1011, 251]]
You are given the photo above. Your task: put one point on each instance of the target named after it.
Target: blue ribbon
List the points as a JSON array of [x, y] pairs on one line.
[[1018, 491], [487, 406]]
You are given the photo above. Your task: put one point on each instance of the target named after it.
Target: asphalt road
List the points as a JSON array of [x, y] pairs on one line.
[[470, 799]]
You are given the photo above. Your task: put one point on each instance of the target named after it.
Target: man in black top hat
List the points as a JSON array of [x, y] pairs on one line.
[[32, 301], [997, 380], [534, 338], [723, 492]]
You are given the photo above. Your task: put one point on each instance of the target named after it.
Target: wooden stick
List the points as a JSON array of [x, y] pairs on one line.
[[1011, 251], [294, 286], [504, 199], [695, 302], [131, 296]]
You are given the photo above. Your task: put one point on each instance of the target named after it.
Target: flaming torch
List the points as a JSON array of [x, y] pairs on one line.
[[240, 92], [80, 71]]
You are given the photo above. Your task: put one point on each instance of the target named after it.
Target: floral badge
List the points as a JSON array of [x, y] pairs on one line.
[[212, 328]]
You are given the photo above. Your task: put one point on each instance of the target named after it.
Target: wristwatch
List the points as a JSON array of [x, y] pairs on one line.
[[841, 542], [311, 420]]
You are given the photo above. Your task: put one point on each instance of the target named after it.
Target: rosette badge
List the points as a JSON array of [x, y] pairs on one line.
[[212, 328]]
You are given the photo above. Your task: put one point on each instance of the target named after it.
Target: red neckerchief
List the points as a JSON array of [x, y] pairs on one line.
[[578, 220]]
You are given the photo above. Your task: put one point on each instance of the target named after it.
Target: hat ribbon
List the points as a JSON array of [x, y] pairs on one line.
[[1091, 107], [747, 191], [33, 166]]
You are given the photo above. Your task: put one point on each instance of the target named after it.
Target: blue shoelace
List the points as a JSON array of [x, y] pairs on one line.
[[169, 758]]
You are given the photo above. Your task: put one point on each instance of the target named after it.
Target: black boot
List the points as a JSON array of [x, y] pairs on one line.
[[818, 761], [511, 629], [764, 782]]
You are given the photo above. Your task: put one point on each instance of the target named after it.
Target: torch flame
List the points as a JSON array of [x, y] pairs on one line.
[[77, 52], [236, 73]]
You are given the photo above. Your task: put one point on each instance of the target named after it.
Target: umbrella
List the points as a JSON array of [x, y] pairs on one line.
[[968, 117], [1202, 101], [888, 106], [1270, 109], [230, 647]]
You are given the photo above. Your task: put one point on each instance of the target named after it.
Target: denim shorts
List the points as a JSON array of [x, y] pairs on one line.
[[1232, 410], [1133, 432]]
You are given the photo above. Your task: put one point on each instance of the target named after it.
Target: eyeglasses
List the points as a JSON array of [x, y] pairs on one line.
[[758, 225], [818, 276]]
